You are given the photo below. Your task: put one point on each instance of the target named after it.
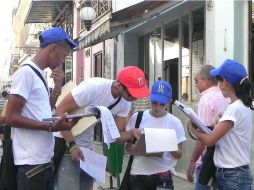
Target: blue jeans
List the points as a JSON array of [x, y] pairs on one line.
[[70, 176], [234, 179], [41, 181]]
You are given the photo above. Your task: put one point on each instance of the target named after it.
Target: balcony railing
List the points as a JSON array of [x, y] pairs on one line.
[[101, 7]]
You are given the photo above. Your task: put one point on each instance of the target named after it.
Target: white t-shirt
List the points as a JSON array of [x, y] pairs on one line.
[[233, 149], [97, 91], [32, 146], [151, 165]]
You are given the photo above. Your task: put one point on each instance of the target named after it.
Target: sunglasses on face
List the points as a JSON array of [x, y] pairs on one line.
[[219, 78]]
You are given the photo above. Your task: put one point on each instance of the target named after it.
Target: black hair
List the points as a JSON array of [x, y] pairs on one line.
[[5, 94], [242, 91]]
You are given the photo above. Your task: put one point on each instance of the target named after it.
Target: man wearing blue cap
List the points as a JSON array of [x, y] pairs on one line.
[[154, 171], [30, 102]]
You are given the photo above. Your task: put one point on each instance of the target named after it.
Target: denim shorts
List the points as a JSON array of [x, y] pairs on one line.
[[239, 178]]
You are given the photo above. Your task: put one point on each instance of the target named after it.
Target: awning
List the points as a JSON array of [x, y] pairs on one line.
[[170, 14], [120, 21], [103, 32], [45, 11]]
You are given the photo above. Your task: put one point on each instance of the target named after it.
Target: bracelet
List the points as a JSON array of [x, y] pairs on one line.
[[70, 144], [72, 148], [50, 127]]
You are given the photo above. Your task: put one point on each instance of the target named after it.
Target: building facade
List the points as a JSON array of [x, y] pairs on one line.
[[167, 39]]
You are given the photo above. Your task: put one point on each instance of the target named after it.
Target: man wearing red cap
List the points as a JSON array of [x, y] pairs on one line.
[[129, 86]]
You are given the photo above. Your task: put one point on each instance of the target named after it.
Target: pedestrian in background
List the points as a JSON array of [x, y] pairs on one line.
[[154, 171], [29, 102], [129, 86], [210, 105], [3, 106], [141, 104], [232, 134]]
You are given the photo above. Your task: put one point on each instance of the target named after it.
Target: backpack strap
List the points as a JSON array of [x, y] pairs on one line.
[[138, 121], [39, 75], [114, 104]]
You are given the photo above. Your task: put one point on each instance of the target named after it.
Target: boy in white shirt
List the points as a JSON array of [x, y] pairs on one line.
[[154, 170]]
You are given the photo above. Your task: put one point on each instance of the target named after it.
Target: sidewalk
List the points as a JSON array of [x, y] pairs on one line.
[[179, 183]]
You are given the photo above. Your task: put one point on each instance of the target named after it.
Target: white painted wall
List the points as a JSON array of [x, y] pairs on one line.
[[219, 32], [122, 4], [120, 52], [87, 64], [226, 32]]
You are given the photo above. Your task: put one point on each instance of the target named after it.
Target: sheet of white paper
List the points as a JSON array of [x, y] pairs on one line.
[[94, 164], [192, 115], [109, 128], [108, 120], [160, 140]]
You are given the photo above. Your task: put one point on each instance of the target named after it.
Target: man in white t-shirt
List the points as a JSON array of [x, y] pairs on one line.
[[153, 171], [130, 85], [29, 102]]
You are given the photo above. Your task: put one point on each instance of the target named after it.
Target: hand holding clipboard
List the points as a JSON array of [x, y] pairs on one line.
[[193, 116]]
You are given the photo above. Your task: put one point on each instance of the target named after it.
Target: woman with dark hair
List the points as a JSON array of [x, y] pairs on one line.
[[232, 134]]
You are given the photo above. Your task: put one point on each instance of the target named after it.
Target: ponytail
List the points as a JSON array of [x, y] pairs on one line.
[[242, 91]]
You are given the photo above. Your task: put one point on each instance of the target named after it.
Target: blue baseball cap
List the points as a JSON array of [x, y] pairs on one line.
[[53, 35], [161, 92], [231, 71]]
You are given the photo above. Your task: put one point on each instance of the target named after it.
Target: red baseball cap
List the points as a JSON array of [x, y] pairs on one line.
[[133, 78]]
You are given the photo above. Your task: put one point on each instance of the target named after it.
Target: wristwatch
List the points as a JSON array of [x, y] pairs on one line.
[[70, 145]]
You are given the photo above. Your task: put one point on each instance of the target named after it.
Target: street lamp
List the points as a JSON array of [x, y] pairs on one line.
[[87, 14]]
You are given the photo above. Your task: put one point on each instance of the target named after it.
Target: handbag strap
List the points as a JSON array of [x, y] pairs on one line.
[[39, 75], [192, 136], [6, 131], [114, 104], [137, 124]]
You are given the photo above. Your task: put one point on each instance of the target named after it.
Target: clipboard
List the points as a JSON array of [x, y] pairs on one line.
[[72, 116], [155, 140], [140, 146], [192, 115], [85, 122]]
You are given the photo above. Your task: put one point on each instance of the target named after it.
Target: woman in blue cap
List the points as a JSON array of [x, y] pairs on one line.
[[151, 172], [232, 134]]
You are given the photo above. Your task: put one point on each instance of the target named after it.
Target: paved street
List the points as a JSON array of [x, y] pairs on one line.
[[179, 183]]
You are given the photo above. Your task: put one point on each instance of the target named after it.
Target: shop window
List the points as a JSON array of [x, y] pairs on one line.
[[197, 48], [68, 69], [171, 56], [174, 53]]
